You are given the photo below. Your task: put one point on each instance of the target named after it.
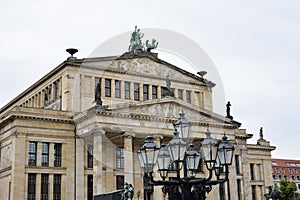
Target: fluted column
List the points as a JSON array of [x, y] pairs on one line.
[[98, 180], [128, 158]]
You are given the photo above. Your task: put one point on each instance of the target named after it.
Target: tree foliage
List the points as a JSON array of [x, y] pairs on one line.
[[288, 188]]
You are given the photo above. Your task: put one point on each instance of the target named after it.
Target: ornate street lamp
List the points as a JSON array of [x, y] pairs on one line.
[[148, 154], [225, 152], [183, 126], [177, 148], [176, 158], [209, 149], [192, 160], [163, 161]]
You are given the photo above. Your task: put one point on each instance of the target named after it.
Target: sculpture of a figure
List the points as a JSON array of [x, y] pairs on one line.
[[151, 46], [135, 41], [98, 95], [261, 134], [128, 192], [273, 193], [228, 110], [168, 92]]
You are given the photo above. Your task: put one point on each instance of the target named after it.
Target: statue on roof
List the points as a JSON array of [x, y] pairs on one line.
[[98, 95], [261, 134], [136, 42], [168, 92], [152, 45], [228, 110]]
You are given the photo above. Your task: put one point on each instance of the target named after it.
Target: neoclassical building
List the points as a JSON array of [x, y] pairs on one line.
[[75, 132]]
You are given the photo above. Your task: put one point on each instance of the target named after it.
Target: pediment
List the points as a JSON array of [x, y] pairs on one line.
[[145, 66], [169, 108]]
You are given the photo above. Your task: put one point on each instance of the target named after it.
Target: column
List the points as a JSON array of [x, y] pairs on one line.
[[141, 92], [122, 89], [38, 154], [50, 192], [132, 90], [128, 158], [98, 180], [80, 168], [102, 87], [110, 157], [113, 86], [18, 167], [38, 187], [63, 187], [150, 92], [51, 154], [159, 92]]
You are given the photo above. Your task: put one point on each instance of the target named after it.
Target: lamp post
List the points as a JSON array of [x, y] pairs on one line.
[[175, 157]]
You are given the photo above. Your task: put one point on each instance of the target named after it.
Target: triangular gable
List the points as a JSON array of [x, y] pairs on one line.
[[148, 65], [169, 108]]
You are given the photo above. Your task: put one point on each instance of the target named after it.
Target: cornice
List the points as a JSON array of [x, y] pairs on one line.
[[260, 147]]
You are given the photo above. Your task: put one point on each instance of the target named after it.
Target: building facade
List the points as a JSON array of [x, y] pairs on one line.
[[58, 141], [286, 169]]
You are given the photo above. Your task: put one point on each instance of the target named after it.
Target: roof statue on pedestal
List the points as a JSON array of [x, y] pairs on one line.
[[228, 110]]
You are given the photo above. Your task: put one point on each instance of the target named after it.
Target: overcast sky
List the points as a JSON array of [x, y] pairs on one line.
[[254, 45]]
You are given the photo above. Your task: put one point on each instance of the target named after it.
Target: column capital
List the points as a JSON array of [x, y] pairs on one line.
[[128, 135], [158, 136]]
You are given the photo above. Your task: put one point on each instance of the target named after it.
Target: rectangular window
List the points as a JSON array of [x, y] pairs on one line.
[[120, 158], [253, 192], [117, 89], [45, 154], [31, 186], [277, 170], [145, 92], [136, 91], [237, 164], [252, 171], [239, 187], [32, 153], [90, 156], [57, 187], [180, 94], [90, 187], [295, 171], [127, 90], [188, 96], [108, 87], [44, 186], [290, 170], [57, 154], [120, 182], [154, 92], [282, 170]]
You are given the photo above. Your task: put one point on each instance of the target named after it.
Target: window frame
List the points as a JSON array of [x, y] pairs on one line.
[[107, 87], [57, 155], [127, 90], [120, 158], [188, 96], [32, 153], [45, 154], [136, 88], [145, 92], [117, 89]]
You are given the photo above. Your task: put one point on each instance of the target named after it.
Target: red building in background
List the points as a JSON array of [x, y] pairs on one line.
[[287, 169]]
